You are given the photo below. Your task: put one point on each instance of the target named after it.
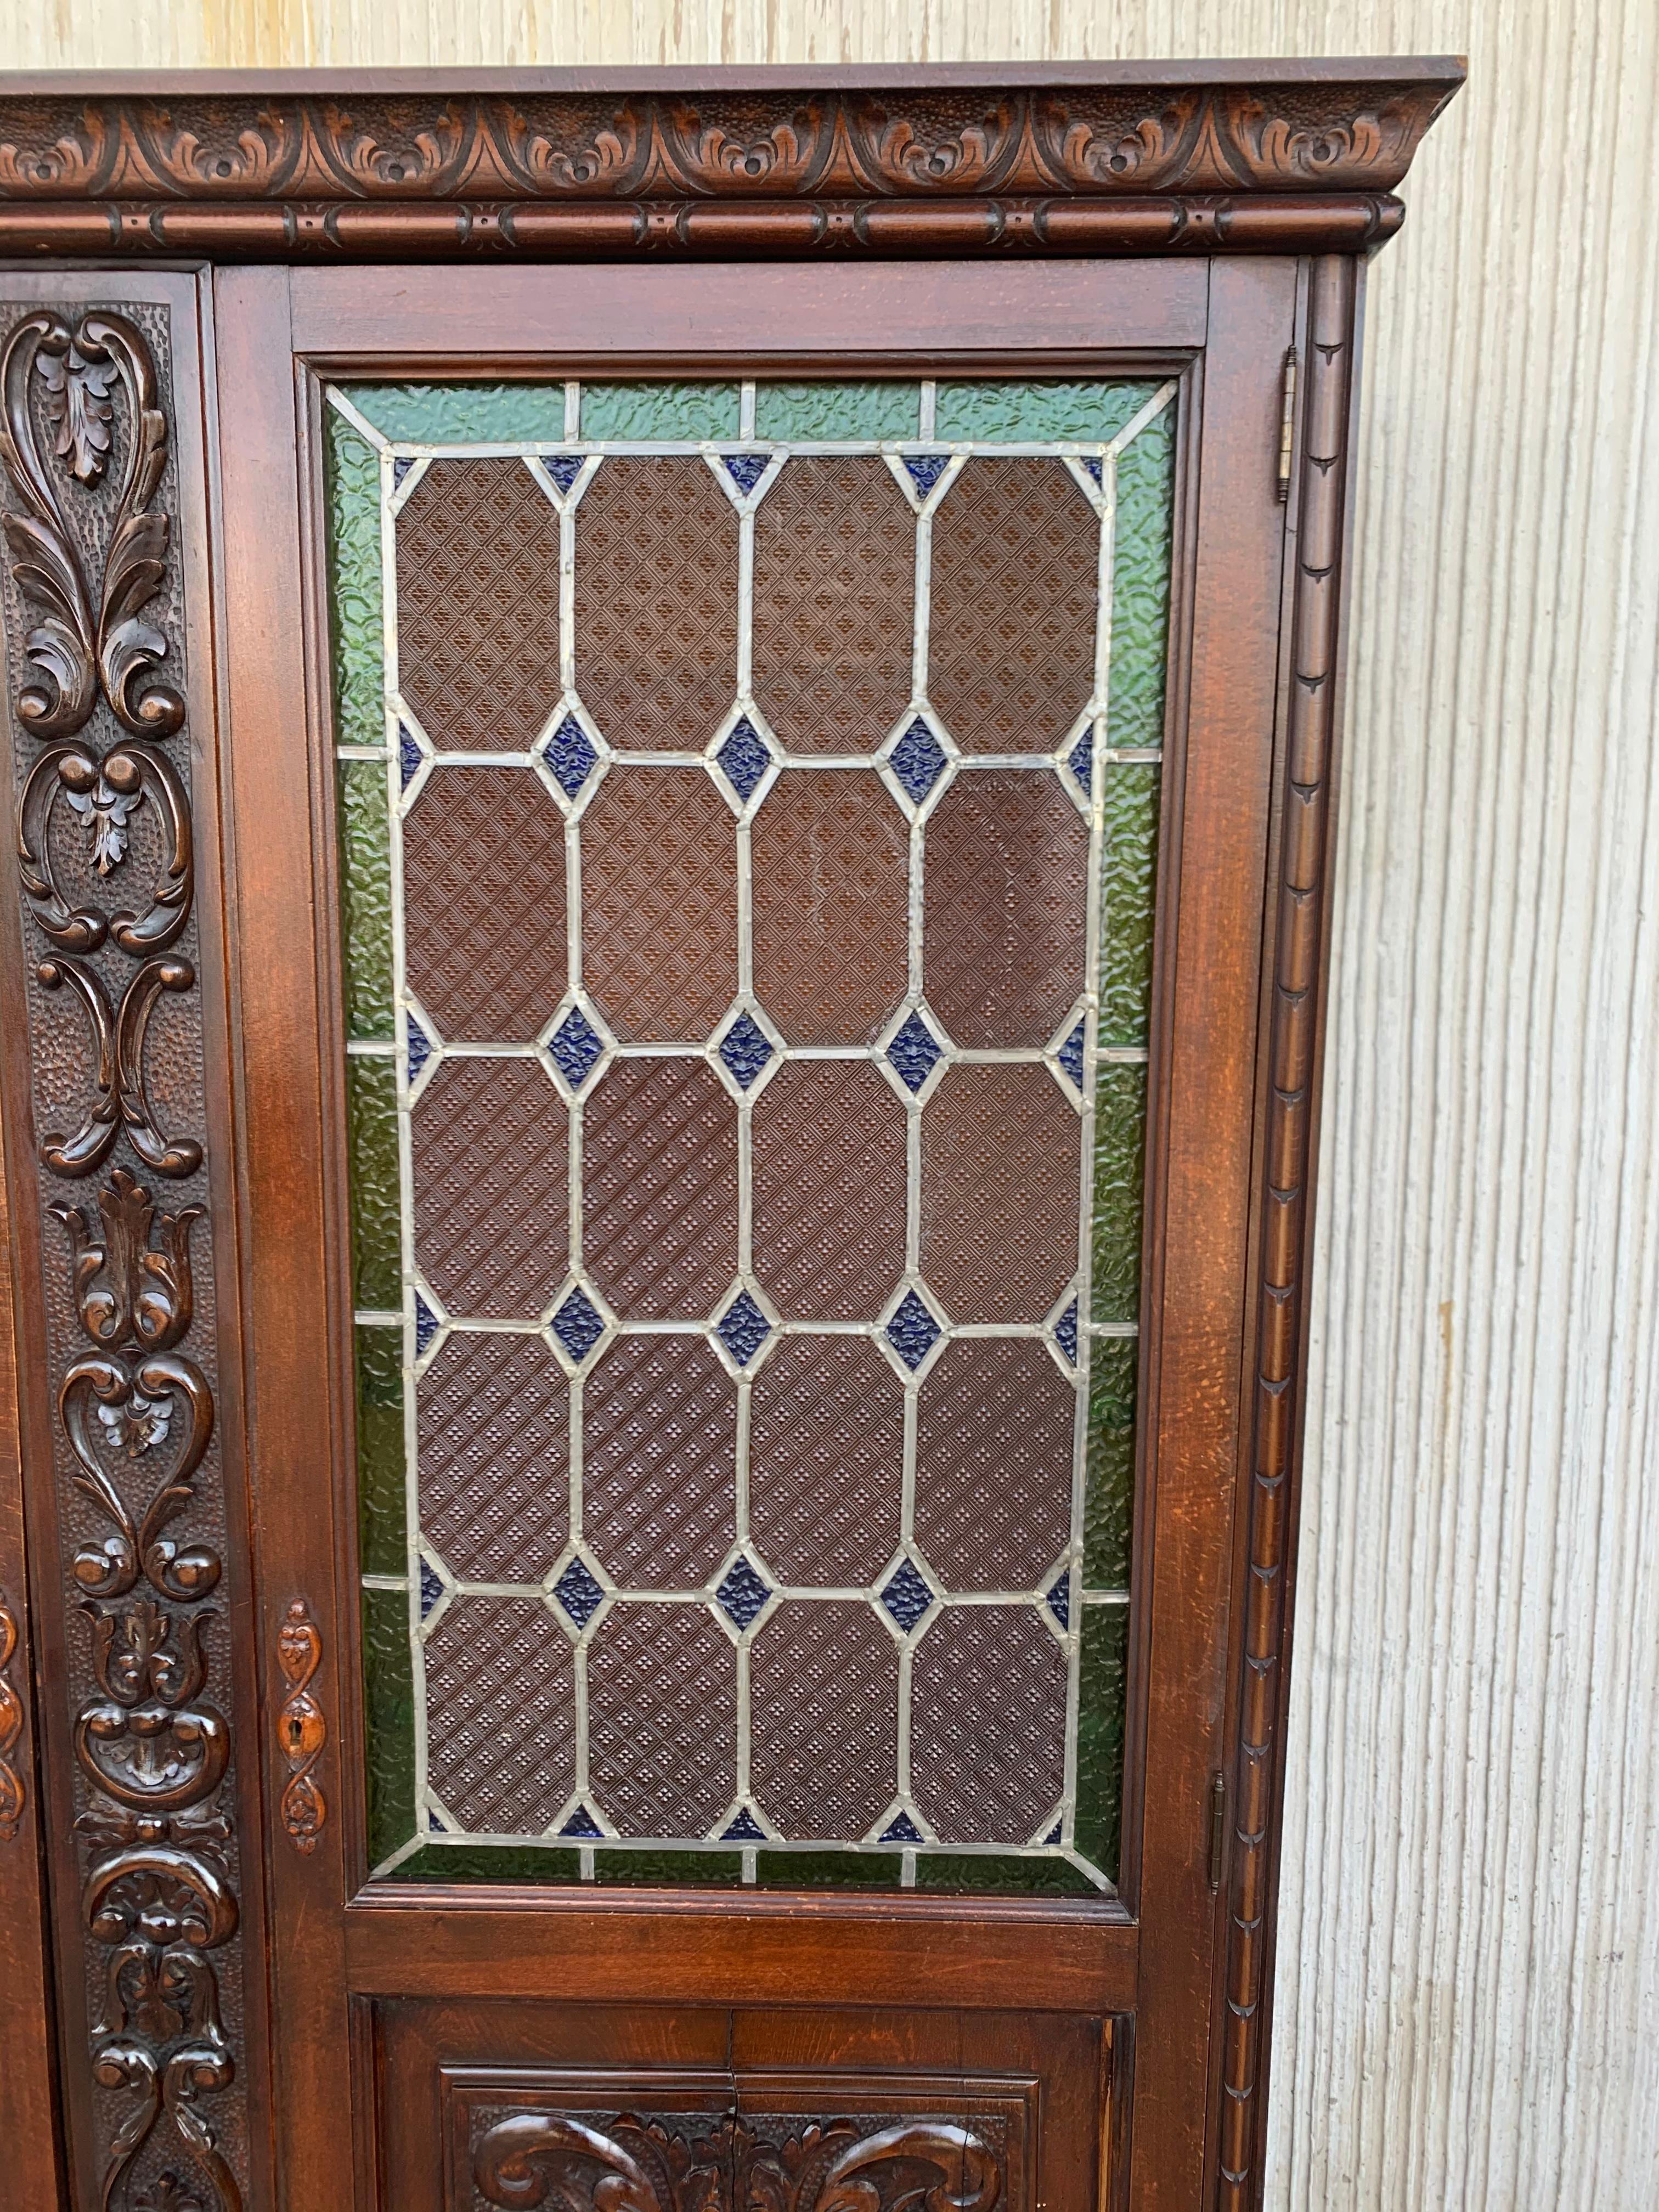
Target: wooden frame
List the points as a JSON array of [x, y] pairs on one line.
[[1266, 181]]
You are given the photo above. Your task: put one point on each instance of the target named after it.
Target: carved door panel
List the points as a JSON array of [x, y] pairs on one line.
[[643, 1379]]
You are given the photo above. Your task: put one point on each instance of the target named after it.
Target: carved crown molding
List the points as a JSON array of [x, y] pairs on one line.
[[1271, 156]]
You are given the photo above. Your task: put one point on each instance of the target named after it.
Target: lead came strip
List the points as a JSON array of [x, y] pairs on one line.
[[728, 1103]]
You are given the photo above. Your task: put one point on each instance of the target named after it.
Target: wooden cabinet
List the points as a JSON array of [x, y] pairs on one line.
[[672, 751]]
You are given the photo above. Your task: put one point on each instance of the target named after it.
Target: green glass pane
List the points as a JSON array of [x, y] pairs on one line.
[[1103, 1690], [828, 1869], [372, 1137], [966, 1872], [660, 411], [352, 470], [463, 413], [1128, 883], [365, 899], [389, 1722], [1119, 1149], [1046, 414], [1140, 586], [382, 1522], [488, 1863], [837, 411], [638, 1867], [1109, 1498]]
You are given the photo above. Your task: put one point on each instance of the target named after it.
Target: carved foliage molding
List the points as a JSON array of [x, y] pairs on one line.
[[13, 1800], [301, 1729], [1009, 155], [778, 2163], [84, 451]]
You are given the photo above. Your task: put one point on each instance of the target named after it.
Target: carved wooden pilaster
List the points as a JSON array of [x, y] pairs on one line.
[[103, 785]]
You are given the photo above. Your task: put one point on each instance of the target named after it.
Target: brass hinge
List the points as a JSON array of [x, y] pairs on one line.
[[1218, 1826], [1287, 423]]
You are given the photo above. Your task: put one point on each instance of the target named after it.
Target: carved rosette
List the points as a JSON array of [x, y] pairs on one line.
[[106, 872]]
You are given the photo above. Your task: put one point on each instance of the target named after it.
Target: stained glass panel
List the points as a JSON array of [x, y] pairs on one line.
[[749, 802]]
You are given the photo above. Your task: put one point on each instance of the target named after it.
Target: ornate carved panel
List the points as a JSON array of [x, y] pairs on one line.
[[101, 752]]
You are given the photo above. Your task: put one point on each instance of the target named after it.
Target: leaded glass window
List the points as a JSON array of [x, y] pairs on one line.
[[749, 802]]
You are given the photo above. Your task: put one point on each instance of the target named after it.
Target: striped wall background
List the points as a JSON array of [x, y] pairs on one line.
[[1469, 2005]]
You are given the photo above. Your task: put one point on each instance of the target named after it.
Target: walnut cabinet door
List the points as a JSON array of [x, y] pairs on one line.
[[660, 1083]]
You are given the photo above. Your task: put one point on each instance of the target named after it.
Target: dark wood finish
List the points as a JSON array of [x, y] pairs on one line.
[[717, 164], [1139, 2025]]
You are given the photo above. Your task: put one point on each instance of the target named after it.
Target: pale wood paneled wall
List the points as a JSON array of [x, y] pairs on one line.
[[1469, 1963]]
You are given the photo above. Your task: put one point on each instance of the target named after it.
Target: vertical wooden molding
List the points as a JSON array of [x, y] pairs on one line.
[[106, 875], [1293, 1060]]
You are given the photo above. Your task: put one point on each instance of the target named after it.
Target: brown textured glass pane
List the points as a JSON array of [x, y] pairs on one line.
[[1108, 1506], [656, 602], [1128, 882], [1000, 1165], [493, 1418], [826, 1441], [491, 1188], [500, 1714], [831, 892], [660, 889], [994, 1464], [823, 1719], [662, 1705], [829, 1190], [1011, 649], [660, 1188], [1119, 1149], [659, 1440], [686, 1869], [989, 1873], [371, 1141], [365, 899], [478, 605], [484, 903], [481, 1863], [987, 1725], [1006, 889], [828, 1869], [1103, 1691], [388, 1721], [835, 592], [382, 1513]]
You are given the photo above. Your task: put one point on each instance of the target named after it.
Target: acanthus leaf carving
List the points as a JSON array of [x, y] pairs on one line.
[[45, 564], [13, 1796], [104, 795]]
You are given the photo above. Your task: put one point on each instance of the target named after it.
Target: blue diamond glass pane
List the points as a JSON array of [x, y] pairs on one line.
[[426, 1324], [912, 1332], [908, 1597], [1091, 462], [581, 1823], [435, 1824], [569, 753], [904, 1830], [1059, 1601], [575, 1047], [915, 1053], [745, 469], [431, 1586], [578, 1592], [744, 757], [1052, 1836], [1081, 760], [409, 756], [743, 1593], [1070, 1055], [577, 1327], [419, 1046], [918, 760], [1066, 1332], [743, 1329], [744, 1049], [745, 1829], [563, 468], [926, 469]]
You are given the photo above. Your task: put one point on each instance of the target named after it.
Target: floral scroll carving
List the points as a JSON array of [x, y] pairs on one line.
[[84, 447], [300, 1726], [12, 1798], [630, 2163]]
